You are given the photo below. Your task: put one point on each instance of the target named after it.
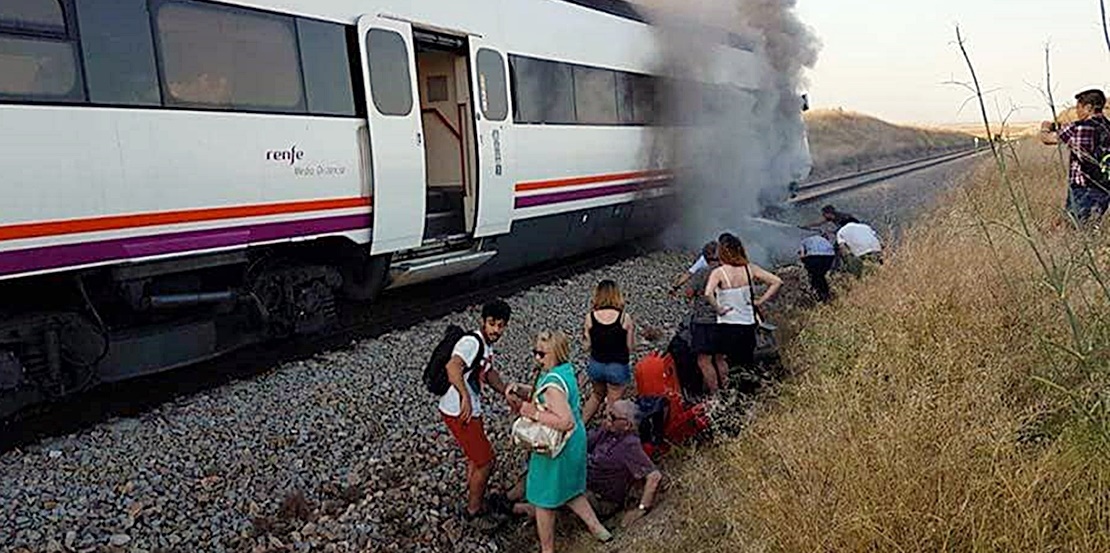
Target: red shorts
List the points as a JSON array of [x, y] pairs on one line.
[[472, 439]]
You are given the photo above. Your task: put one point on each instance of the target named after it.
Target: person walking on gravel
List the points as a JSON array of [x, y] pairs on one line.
[[730, 292], [554, 482], [471, 365], [1088, 141], [609, 335]]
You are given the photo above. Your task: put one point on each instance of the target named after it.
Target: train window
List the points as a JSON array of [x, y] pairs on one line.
[[543, 91], [595, 96], [644, 99], [327, 68], [118, 51], [390, 79], [33, 15], [626, 100], [222, 57], [492, 85], [38, 57], [36, 69]]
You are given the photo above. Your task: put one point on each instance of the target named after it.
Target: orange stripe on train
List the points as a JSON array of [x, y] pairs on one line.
[[594, 179], [119, 222]]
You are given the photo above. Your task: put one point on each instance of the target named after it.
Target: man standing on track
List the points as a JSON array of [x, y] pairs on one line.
[[1088, 141], [461, 406]]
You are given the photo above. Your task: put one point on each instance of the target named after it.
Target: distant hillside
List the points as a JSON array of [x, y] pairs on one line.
[[843, 141]]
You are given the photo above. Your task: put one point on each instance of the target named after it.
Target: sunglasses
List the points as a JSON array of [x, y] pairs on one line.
[[614, 418], [539, 353]]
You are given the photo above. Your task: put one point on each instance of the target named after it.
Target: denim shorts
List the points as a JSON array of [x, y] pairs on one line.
[[609, 373]]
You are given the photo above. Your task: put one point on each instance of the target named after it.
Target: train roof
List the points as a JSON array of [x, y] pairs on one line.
[[634, 12]]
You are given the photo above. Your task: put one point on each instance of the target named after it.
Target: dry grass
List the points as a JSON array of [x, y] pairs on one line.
[[842, 141], [916, 421]]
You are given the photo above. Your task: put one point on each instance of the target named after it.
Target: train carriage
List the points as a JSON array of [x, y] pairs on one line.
[[181, 177]]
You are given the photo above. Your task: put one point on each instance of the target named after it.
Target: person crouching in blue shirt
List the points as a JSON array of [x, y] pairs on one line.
[[818, 255]]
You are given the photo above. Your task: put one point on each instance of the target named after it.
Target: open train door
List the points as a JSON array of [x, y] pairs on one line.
[[397, 163], [490, 85]]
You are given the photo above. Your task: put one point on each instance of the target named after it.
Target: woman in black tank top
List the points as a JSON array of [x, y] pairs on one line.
[[609, 336]]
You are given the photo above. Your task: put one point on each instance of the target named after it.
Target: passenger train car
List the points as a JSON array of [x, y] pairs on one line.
[[181, 177]]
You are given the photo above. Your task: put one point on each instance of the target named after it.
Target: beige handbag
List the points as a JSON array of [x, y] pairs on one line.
[[536, 436]]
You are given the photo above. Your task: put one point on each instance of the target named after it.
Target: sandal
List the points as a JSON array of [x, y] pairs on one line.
[[603, 535]]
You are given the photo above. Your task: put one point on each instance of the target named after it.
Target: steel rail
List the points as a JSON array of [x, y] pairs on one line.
[[809, 192]]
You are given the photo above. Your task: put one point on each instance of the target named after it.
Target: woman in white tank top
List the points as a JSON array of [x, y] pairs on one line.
[[730, 292]]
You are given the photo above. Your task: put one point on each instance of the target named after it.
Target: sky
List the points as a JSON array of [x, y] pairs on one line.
[[891, 58]]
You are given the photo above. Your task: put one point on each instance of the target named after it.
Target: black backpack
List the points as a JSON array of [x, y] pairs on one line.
[[435, 372], [1096, 165], [686, 364], [653, 419]]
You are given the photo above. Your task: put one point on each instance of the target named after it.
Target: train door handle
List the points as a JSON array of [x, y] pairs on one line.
[[419, 139]]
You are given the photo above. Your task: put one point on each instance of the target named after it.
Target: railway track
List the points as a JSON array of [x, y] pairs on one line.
[[811, 191]]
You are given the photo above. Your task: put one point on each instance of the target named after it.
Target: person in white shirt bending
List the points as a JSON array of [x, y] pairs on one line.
[[859, 246]]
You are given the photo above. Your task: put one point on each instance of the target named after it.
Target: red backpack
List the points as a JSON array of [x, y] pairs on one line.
[[656, 377]]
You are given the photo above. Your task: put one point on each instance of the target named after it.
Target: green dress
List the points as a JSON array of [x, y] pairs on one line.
[[551, 483]]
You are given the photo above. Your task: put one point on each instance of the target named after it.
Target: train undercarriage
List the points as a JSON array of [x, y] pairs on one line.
[[66, 333]]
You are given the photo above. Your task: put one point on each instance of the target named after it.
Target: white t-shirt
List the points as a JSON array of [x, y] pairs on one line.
[[466, 348], [859, 238], [698, 265]]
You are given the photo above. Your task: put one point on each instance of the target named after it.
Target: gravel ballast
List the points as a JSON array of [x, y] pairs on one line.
[[341, 452]]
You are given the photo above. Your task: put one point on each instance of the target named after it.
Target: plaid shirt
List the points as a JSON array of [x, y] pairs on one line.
[[1080, 139]]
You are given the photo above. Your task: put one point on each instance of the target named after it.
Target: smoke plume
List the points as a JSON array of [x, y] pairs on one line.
[[741, 141]]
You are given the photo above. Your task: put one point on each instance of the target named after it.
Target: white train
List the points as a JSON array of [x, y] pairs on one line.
[[181, 177]]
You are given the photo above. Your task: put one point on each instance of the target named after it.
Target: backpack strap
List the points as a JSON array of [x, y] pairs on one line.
[[472, 371]]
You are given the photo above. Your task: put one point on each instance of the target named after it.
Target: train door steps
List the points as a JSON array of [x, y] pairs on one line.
[[414, 271]]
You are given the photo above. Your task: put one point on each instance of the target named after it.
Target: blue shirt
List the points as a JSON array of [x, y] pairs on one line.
[[817, 245]]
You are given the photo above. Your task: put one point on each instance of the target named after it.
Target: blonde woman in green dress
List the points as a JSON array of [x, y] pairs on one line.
[[554, 482]]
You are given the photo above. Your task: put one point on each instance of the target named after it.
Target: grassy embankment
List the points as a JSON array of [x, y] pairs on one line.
[[951, 401], [843, 141]]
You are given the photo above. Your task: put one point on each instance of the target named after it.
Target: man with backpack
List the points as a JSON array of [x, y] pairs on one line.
[[459, 365], [1088, 141]]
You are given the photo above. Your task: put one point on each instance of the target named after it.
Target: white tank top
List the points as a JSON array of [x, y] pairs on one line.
[[739, 299]]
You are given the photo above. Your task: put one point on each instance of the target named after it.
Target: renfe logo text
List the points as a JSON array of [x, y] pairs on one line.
[[292, 155]]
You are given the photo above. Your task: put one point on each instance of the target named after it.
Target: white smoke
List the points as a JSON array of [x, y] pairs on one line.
[[742, 142]]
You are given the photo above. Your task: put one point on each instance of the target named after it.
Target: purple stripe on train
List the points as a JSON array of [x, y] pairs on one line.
[[589, 193], [53, 257]]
